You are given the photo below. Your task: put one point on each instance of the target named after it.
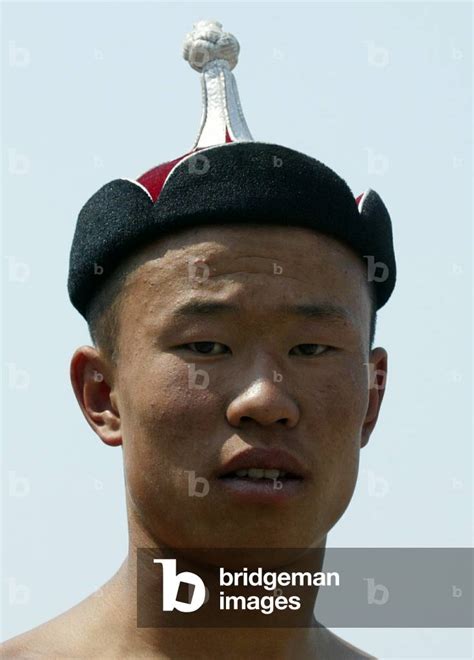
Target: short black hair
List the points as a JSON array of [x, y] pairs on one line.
[[104, 313], [373, 314]]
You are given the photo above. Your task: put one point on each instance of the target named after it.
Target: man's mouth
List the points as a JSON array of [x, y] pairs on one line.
[[263, 476], [260, 473], [262, 486], [262, 463]]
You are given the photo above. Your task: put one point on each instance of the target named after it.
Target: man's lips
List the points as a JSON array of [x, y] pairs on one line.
[[267, 459]]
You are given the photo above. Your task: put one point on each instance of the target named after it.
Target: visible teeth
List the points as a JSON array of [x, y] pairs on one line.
[[256, 473], [260, 473]]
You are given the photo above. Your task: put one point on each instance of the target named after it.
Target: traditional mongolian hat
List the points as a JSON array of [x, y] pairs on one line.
[[227, 177]]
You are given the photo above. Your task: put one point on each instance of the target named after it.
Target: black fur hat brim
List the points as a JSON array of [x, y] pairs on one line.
[[237, 182]]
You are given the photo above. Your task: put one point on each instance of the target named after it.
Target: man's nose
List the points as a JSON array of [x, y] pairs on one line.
[[264, 402]]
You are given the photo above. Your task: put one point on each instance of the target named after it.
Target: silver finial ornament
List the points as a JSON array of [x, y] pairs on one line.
[[214, 53]]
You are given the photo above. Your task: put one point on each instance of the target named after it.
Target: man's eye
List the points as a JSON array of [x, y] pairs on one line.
[[205, 347], [213, 348], [311, 349]]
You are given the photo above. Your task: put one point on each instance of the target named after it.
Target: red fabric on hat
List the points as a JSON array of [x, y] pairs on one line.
[[154, 180]]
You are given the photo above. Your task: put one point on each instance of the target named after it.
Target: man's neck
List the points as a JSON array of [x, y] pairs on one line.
[[120, 607]]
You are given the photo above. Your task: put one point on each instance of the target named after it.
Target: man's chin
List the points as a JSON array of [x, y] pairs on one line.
[[236, 556], [243, 532]]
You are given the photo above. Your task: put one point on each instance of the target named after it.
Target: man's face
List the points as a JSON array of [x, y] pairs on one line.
[[260, 378]]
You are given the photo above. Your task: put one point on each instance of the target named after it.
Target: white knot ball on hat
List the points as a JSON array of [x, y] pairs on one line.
[[207, 42]]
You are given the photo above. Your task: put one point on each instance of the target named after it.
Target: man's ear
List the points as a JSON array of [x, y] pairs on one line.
[[91, 378], [377, 378]]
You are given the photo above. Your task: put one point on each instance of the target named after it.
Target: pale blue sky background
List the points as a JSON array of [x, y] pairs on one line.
[[380, 92]]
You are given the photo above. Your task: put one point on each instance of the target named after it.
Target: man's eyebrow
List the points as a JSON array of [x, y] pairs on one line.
[[321, 311]]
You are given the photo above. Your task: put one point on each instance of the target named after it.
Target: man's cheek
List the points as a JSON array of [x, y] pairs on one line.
[[173, 444], [346, 398], [172, 386], [332, 401], [336, 419]]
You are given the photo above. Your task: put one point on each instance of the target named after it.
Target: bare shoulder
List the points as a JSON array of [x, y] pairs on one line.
[[351, 652], [65, 636], [30, 644], [84, 630], [331, 646], [43, 641], [58, 638]]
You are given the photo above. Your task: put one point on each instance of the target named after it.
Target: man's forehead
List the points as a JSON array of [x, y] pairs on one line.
[[261, 272], [292, 252]]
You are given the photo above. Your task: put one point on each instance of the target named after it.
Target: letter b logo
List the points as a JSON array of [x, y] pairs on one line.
[[171, 584]]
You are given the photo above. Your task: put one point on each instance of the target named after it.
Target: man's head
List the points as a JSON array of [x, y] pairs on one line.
[[187, 391]]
